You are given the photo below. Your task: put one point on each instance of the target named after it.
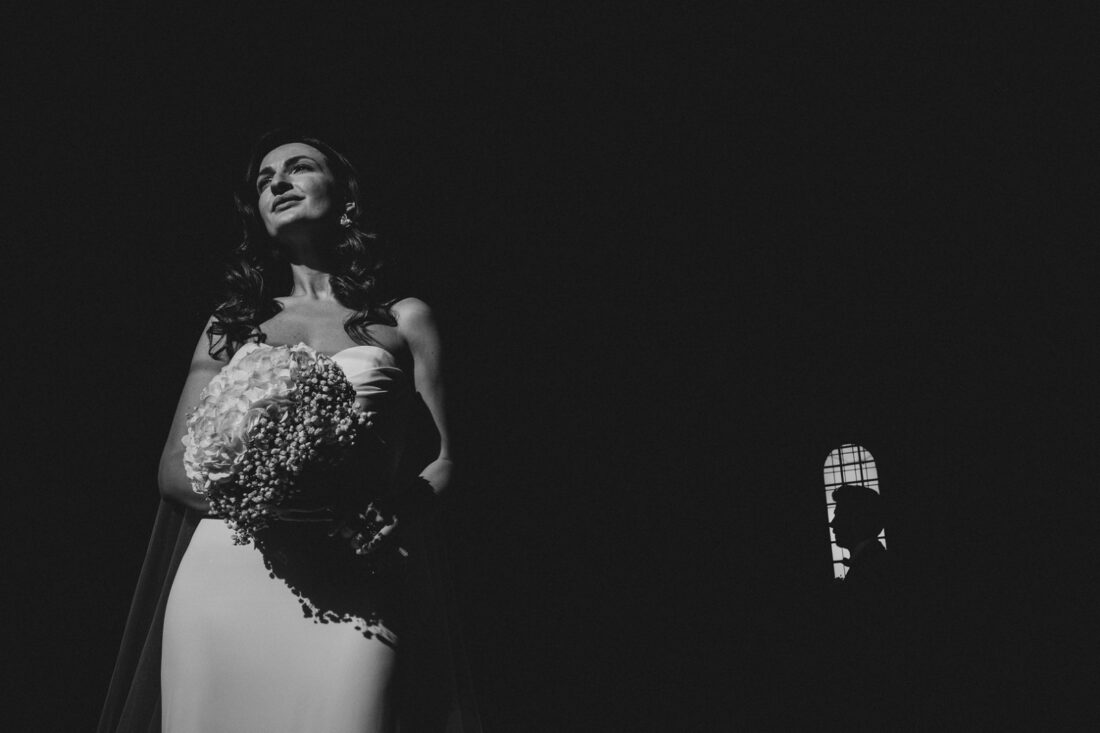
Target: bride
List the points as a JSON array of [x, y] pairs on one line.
[[290, 633]]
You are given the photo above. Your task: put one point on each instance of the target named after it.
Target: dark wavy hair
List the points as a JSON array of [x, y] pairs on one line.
[[256, 271]]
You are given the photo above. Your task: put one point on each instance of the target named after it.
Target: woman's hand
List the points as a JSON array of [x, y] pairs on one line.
[[438, 474], [373, 531], [368, 532]]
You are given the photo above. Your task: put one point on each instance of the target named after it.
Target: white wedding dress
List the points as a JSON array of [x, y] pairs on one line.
[[254, 646]]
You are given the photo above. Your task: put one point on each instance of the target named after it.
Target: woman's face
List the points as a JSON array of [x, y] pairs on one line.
[[296, 190]]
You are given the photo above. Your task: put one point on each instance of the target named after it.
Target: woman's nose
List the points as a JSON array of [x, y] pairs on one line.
[[279, 184]]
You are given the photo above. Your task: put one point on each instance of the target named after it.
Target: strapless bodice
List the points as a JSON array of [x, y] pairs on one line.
[[373, 372]]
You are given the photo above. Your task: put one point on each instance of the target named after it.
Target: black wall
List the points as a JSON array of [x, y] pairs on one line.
[[679, 257]]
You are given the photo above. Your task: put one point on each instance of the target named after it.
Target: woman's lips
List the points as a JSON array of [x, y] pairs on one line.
[[280, 205]]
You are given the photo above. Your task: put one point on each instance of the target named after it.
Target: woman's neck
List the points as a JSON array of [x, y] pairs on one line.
[[310, 282], [310, 268]]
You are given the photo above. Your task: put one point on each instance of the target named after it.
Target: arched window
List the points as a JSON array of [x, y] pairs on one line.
[[848, 464]]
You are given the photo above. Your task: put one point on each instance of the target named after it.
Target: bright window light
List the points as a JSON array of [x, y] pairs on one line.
[[848, 464]]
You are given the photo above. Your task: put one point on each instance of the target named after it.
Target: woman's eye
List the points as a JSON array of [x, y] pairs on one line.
[[300, 167], [262, 184]]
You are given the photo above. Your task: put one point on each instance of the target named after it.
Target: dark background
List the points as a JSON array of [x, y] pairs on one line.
[[679, 257]]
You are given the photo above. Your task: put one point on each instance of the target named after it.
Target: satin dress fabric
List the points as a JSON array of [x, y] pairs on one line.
[[244, 648]]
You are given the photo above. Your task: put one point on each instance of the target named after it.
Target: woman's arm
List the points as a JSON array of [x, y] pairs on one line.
[[171, 478], [416, 324], [369, 531]]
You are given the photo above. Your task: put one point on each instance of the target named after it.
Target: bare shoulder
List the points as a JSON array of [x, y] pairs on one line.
[[410, 309], [201, 356], [418, 330], [413, 316]]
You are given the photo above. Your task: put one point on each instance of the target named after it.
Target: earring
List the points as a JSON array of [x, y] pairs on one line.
[[345, 221]]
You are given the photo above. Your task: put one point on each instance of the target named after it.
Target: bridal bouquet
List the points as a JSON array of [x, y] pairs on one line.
[[272, 412]]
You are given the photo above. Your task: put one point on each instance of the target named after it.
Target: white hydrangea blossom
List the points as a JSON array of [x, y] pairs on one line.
[[258, 380]]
